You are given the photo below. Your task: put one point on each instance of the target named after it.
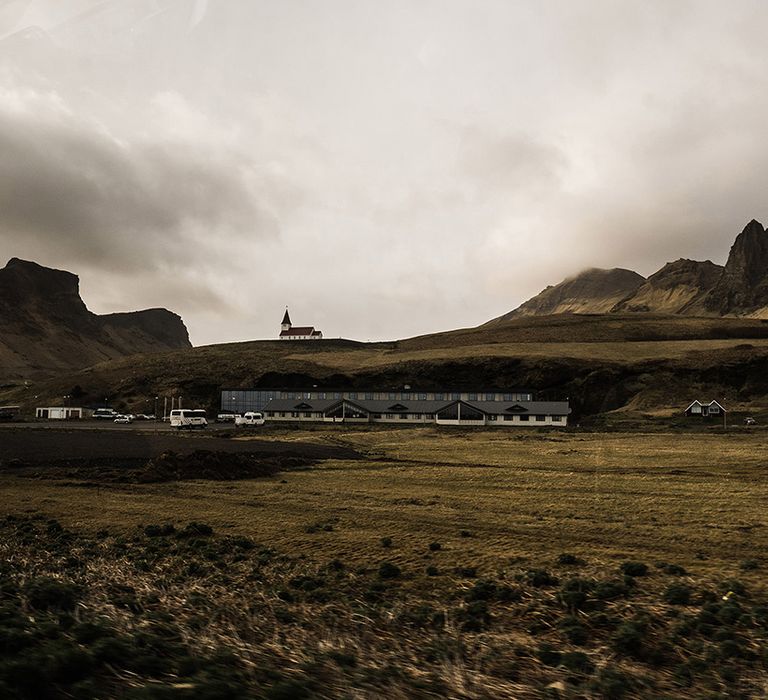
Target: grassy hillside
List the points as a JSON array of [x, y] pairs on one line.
[[600, 362]]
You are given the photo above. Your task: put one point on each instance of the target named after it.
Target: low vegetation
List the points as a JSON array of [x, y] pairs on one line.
[[447, 564]]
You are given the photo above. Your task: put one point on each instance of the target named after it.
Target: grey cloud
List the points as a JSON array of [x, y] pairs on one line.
[[508, 163], [70, 186]]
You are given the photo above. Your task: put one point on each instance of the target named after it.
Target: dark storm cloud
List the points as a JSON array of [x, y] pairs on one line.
[[68, 185]]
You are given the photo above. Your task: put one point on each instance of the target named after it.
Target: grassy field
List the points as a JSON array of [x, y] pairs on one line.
[[497, 542]]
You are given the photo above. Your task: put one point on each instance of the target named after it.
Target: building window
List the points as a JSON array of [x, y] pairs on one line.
[[455, 395], [525, 417], [491, 417], [490, 397], [403, 416], [377, 415], [282, 414], [557, 419], [423, 397], [508, 417], [352, 394], [294, 414], [541, 418], [369, 396], [439, 397], [321, 395], [307, 414], [508, 397], [392, 396], [473, 397]]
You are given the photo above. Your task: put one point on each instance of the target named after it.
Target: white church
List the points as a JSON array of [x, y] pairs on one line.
[[290, 332]]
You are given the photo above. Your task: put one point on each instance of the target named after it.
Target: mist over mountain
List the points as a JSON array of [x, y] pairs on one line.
[[46, 327], [685, 287]]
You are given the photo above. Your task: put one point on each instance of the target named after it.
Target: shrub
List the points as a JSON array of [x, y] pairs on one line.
[[577, 662], [433, 571], [466, 571], [611, 684], [50, 594], [484, 589], [475, 616], [566, 559], [294, 689], [628, 639], [465, 533], [575, 632], [634, 568], [195, 529], [574, 593], [435, 546], [671, 569], [386, 542], [749, 565], [677, 594], [540, 578], [610, 590], [388, 570], [548, 655]]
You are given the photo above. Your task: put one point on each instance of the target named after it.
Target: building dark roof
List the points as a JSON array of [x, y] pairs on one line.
[[286, 318], [557, 408], [300, 330]]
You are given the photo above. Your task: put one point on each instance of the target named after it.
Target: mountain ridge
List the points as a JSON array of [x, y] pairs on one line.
[[682, 287], [45, 326]]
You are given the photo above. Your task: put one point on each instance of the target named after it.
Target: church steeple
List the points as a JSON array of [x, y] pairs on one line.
[[286, 324]]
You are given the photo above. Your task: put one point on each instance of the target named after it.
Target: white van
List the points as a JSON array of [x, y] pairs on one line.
[[250, 418], [188, 418]]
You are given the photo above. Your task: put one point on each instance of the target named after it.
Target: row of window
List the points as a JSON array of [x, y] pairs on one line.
[[414, 416]]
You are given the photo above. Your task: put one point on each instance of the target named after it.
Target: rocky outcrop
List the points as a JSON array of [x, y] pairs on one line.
[[684, 287], [675, 289], [742, 289], [46, 327], [593, 291]]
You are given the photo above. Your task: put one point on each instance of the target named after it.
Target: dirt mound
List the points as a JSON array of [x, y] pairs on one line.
[[215, 466]]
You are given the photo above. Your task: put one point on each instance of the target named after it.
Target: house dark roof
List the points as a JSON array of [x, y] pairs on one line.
[[286, 318]]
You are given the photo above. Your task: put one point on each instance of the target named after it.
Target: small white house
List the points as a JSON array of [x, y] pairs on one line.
[[61, 413], [705, 410]]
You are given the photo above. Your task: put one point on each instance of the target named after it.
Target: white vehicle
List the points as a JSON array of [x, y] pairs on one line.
[[121, 418], [250, 418], [188, 418], [105, 414]]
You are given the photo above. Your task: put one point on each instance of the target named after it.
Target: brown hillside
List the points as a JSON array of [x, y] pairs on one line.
[[675, 289], [46, 328], [593, 291]]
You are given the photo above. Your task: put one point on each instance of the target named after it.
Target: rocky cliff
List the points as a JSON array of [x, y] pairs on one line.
[[742, 288], [684, 287], [46, 327], [675, 289]]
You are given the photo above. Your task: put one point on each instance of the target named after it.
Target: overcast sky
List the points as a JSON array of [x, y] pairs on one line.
[[385, 169]]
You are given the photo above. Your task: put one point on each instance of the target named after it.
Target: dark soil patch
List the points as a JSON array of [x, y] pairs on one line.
[[117, 456]]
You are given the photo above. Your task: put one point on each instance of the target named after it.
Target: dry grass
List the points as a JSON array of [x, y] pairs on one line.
[[504, 503], [697, 499]]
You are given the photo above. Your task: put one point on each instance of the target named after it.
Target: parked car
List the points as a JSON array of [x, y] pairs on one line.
[[749, 421], [123, 418], [250, 418], [105, 414], [226, 417]]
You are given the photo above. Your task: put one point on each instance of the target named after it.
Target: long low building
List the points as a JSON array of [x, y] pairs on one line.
[[416, 411], [244, 400]]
